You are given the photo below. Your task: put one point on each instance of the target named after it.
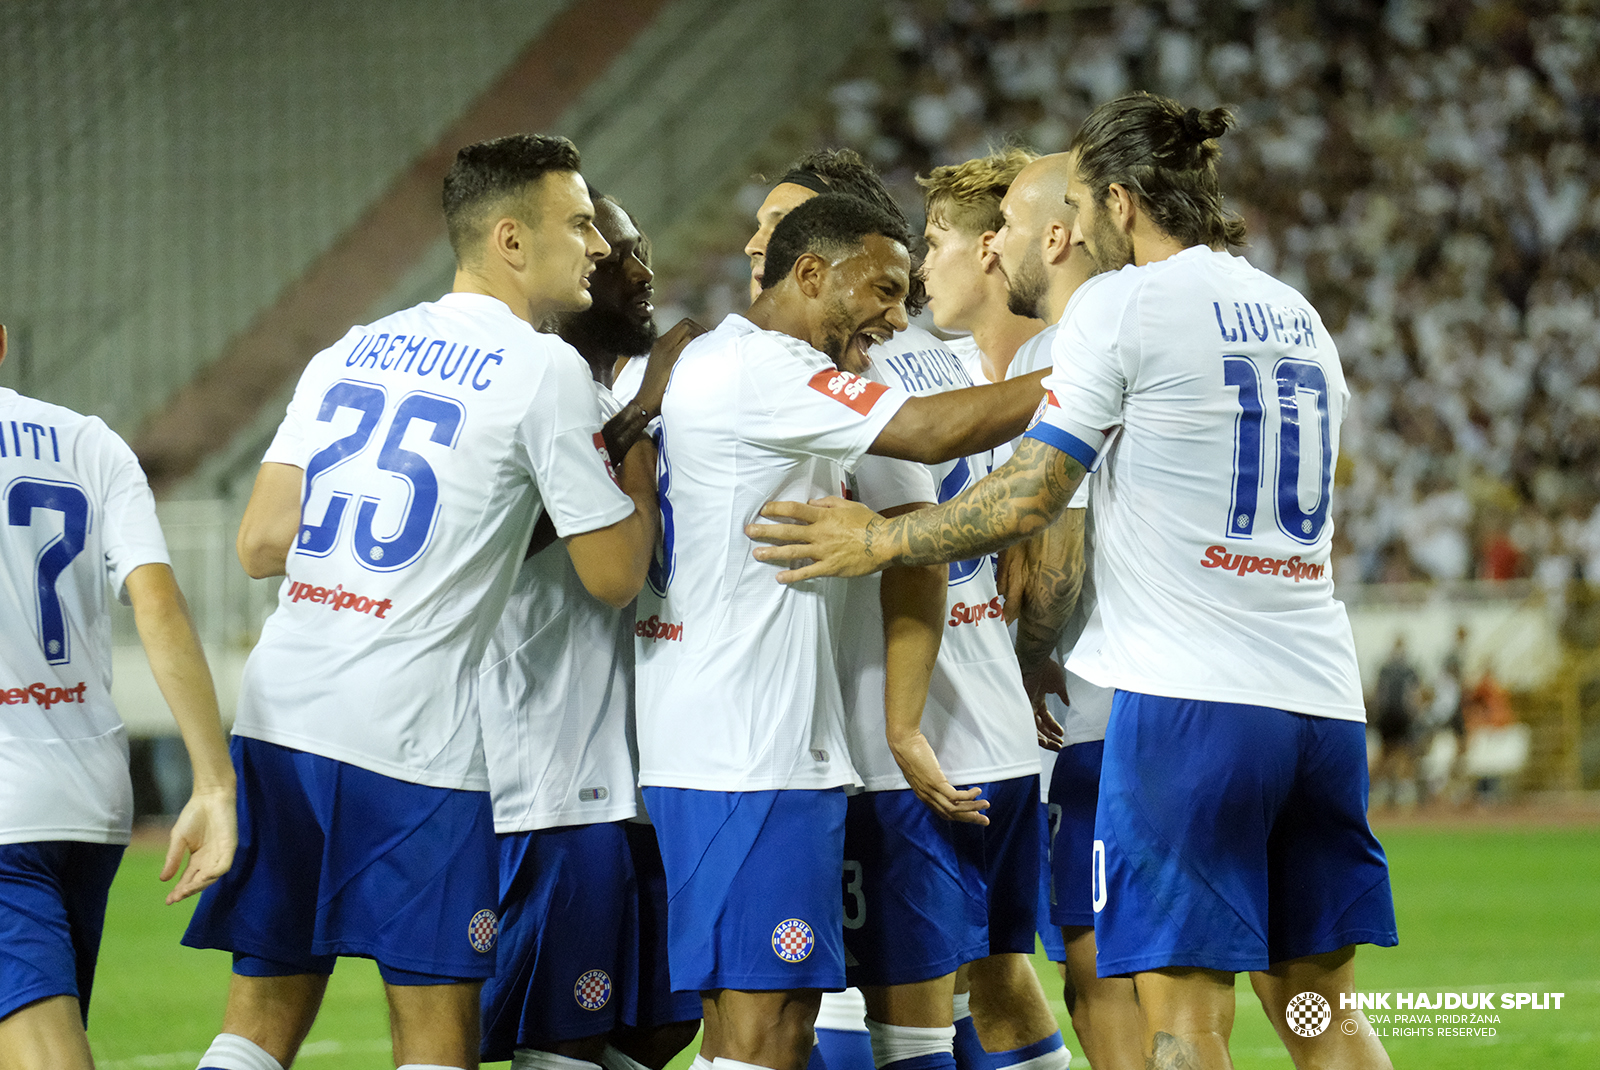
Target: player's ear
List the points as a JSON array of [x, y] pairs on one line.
[[1057, 242], [988, 259], [1123, 207], [508, 239], [810, 272]]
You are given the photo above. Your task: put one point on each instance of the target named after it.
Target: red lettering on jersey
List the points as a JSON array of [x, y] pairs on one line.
[[849, 389], [41, 694], [337, 598], [654, 628], [605, 455], [1245, 564]]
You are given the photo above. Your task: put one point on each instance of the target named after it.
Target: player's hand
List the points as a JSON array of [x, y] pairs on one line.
[[833, 535], [208, 829], [1016, 562], [922, 772], [1047, 679], [663, 358]]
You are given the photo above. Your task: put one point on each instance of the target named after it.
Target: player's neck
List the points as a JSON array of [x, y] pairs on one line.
[[1151, 244], [771, 312], [999, 333], [502, 290]]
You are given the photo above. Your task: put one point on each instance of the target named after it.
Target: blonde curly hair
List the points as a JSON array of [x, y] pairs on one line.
[[966, 196]]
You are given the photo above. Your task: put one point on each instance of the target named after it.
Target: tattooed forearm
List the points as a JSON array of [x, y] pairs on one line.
[[1052, 587], [1017, 500]]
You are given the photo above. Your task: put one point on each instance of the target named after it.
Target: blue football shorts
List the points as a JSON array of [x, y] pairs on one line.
[[566, 923], [647, 998], [1055, 948], [752, 887], [1233, 837], [915, 903], [1074, 794], [338, 860], [1012, 862], [52, 910]]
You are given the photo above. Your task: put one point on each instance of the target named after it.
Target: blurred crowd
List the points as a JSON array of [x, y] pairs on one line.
[[1426, 173]]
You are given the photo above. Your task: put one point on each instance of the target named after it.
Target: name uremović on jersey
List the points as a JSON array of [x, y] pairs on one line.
[[423, 356]]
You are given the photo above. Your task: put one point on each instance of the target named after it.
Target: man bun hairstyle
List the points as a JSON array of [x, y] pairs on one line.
[[830, 225], [966, 196], [847, 171], [1166, 156], [490, 173]]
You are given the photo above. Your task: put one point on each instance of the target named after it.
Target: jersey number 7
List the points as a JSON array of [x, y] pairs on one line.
[[23, 497]]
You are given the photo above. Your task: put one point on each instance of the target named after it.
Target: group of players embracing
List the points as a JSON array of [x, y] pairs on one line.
[[600, 774]]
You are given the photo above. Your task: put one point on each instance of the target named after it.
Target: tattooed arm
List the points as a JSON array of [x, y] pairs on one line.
[[842, 538], [1051, 587]]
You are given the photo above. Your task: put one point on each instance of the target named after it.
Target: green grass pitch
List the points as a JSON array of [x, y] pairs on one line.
[[1507, 910]]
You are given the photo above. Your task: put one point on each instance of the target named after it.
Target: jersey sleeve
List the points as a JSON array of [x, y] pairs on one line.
[[1088, 380], [888, 482], [811, 407], [289, 443], [130, 533], [560, 437]]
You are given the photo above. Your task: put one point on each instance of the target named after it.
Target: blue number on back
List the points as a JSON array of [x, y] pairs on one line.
[[1240, 372], [22, 498], [386, 555], [317, 540], [1293, 377], [954, 482], [662, 562]]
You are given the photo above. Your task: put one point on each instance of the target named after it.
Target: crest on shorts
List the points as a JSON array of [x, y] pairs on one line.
[[793, 940], [593, 990], [481, 931], [1308, 1014]]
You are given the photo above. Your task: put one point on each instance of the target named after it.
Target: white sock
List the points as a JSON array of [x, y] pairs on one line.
[[961, 1003], [893, 1043], [614, 1059], [532, 1059], [233, 1052], [734, 1064]]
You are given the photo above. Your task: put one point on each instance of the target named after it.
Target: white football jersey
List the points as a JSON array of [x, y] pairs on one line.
[[977, 718], [1085, 719], [556, 696], [430, 442], [737, 686], [1212, 506], [78, 518]]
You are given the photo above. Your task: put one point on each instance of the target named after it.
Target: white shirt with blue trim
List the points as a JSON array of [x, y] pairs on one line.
[[977, 717], [738, 689], [430, 440], [1213, 502], [76, 517]]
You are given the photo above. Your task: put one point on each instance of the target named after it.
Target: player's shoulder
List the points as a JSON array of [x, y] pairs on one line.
[[1035, 355], [58, 420]]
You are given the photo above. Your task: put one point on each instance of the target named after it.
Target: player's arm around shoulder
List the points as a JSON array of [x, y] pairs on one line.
[[207, 828], [271, 520], [936, 428], [612, 561]]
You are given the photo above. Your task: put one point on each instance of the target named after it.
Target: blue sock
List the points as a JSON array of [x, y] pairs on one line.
[[939, 1060], [969, 1049], [841, 1049], [1048, 1054]]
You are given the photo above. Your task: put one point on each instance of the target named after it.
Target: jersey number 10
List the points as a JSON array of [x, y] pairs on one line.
[[1294, 378]]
